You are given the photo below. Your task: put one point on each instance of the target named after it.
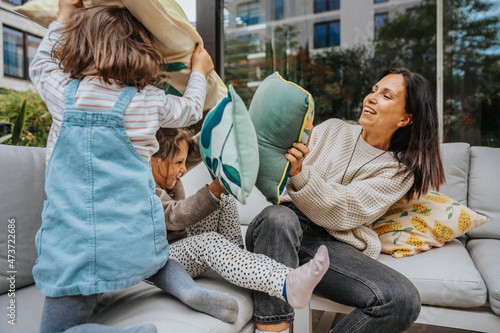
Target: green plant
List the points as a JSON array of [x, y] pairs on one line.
[[31, 122]]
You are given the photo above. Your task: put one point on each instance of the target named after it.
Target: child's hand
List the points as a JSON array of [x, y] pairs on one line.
[[66, 8], [201, 61], [216, 188]]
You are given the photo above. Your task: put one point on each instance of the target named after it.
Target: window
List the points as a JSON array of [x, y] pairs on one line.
[[379, 22], [326, 5], [326, 34], [19, 48], [17, 2], [249, 13], [378, 1], [279, 9]]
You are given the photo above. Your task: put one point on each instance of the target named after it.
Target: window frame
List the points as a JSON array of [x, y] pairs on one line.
[[282, 10], [327, 38], [375, 29], [12, 2], [328, 9], [25, 56]]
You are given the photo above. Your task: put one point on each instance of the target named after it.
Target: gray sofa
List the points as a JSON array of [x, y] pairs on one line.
[[459, 285]]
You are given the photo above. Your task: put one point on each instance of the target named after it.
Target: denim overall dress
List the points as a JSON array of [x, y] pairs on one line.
[[103, 227]]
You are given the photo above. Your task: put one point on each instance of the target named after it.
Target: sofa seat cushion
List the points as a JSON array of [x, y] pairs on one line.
[[27, 311], [145, 302], [445, 276], [484, 253], [140, 303]]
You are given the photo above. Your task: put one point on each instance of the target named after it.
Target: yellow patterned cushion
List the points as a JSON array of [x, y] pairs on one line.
[[408, 228]]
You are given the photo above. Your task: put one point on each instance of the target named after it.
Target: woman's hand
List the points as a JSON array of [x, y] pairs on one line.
[[201, 61], [296, 155], [216, 188], [66, 8]]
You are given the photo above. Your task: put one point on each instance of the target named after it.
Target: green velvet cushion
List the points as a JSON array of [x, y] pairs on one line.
[[279, 112], [228, 146]]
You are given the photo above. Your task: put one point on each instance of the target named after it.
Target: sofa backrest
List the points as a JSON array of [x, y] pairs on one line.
[[484, 190], [199, 176], [22, 181], [456, 157]]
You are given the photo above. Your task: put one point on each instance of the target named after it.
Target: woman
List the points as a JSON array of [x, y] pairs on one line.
[[204, 232], [348, 178]]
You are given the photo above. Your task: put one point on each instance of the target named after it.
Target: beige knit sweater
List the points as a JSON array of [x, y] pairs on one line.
[[346, 210]]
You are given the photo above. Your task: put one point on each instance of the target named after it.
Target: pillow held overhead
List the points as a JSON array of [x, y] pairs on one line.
[[166, 20], [228, 146], [282, 113]]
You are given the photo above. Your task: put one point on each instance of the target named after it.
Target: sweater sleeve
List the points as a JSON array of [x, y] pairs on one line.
[[345, 207], [44, 71], [183, 213]]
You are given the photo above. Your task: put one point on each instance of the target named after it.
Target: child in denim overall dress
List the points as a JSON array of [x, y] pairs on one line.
[[103, 227]]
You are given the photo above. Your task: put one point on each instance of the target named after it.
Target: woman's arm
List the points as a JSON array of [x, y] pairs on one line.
[[344, 207]]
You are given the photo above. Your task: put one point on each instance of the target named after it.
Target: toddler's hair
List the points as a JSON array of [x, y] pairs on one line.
[[110, 43], [169, 140]]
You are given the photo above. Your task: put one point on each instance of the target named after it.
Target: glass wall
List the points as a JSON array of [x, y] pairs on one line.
[[335, 50], [472, 72]]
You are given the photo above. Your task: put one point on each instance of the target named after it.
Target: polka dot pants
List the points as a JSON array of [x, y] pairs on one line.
[[216, 242]]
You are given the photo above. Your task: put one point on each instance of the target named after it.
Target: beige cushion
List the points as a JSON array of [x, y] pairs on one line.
[[166, 20]]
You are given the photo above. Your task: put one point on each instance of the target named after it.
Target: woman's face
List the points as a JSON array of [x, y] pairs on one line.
[[384, 107], [168, 173]]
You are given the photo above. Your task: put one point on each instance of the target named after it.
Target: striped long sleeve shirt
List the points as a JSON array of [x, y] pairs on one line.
[[148, 110]]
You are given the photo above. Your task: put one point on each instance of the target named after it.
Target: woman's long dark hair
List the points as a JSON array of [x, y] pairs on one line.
[[416, 146]]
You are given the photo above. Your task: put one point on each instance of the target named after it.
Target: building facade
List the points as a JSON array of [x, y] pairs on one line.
[[20, 39]]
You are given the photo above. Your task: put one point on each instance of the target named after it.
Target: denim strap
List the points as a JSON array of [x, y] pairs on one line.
[[124, 100], [69, 94]]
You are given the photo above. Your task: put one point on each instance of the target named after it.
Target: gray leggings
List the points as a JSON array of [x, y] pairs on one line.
[[71, 313]]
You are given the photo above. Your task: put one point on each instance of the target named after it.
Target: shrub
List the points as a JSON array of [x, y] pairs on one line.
[[38, 118]]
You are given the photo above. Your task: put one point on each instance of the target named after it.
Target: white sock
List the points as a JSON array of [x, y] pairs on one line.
[[287, 330], [301, 281]]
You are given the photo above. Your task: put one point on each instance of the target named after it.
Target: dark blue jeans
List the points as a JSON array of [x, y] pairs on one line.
[[385, 300]]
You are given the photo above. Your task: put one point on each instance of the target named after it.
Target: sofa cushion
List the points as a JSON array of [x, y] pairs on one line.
[[28, 310], [456, 158], [445, 277], [409, 227], [22, 194], [142, 302], [145, 302], [484, 183], [484, 253], [255, 203], [280, 111], [228, 146]]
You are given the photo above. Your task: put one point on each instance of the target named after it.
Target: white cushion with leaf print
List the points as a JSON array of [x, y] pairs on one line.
[[228, 146]]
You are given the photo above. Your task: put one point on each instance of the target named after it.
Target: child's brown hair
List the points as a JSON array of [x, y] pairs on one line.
[[108, 42], [169, 140]]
